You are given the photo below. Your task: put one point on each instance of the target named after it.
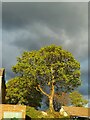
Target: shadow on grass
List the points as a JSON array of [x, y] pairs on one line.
[[27, 118]]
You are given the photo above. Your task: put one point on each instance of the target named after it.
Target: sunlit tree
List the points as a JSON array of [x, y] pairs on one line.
[[50, 66]]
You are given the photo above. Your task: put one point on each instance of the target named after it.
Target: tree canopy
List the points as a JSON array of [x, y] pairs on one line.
[[50, 66]]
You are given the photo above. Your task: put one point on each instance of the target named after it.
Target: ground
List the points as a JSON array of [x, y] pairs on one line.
[[33, 113]]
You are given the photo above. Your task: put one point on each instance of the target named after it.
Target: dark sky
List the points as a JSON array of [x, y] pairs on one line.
[[30, 26]]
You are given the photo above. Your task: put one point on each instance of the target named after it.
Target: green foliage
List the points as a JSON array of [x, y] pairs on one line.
[[21, 91], [77, 99], [50, 66], [36, 66]]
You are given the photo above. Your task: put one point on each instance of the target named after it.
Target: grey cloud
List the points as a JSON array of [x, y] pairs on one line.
[[9, 54], [9, 75], [69, 16], [0, 14], [40, 35], [47, 21], [0, 53], [55, 18], [84, 88], [0, 34]]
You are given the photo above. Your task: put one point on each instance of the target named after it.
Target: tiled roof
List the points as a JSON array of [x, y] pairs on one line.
[[1, 71], [77, 111]]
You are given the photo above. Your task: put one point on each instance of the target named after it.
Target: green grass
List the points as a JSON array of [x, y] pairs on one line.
[[33, 113]]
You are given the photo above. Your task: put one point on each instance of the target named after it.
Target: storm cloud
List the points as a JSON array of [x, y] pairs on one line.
[[0, 34]]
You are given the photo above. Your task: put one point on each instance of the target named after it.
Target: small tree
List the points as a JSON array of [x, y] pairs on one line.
[[20, 90], [60, 99], [50, 66], [77, 99]]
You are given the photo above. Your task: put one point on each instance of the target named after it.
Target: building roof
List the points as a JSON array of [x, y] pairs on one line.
[[77, 111], [1, 71]]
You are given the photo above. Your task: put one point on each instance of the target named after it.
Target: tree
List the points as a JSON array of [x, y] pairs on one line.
[[19, 90], [50, 66], [77, 99]]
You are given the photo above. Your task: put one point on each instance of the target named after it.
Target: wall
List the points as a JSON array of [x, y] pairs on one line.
[[2, 86], [6, 108]]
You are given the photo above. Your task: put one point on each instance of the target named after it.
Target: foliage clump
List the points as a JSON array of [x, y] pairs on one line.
[[77, 99], [20, 91]]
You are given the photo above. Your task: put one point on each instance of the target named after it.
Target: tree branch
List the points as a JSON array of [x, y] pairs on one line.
[[37, 89], [43, 91]]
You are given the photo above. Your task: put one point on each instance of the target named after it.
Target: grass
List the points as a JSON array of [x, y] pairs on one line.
[[33, 113]]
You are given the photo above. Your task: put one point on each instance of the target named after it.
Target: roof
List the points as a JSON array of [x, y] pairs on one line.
[[77, 111], [1, 71]]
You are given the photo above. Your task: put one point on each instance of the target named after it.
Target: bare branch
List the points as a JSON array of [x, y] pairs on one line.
[[37, 89], [43, 91]]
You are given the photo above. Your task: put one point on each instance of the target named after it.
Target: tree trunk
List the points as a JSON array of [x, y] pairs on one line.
[[51, 93], [51, 98], [51, 104]]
